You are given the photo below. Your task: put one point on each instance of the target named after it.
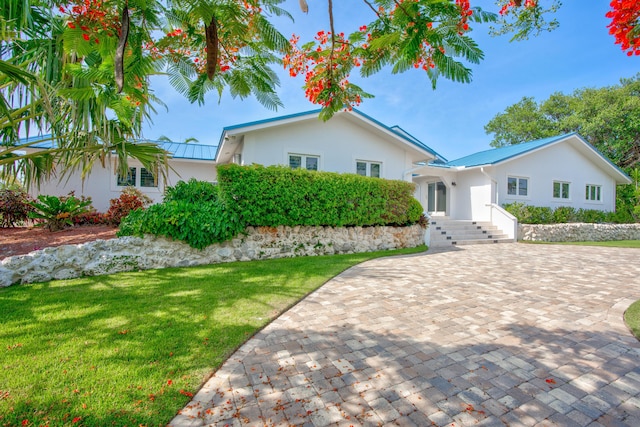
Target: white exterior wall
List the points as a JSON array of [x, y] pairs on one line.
[[559, 162], [338, 143], [447, 177], [101, 184], [473, 193]]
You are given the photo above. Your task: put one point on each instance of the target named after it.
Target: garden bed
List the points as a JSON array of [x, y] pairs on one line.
[[22, 240]]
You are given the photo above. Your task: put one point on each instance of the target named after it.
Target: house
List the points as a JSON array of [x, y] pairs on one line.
[[103, 184], [560, 171]]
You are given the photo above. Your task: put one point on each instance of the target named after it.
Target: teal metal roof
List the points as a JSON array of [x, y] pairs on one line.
[[181, 150], [497, 155], [396, 130], [178, 150], [400, 131]]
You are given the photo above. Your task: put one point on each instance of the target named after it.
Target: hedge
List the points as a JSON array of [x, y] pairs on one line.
[[277, 195], [197, 224], [528, 214], [200, 214]]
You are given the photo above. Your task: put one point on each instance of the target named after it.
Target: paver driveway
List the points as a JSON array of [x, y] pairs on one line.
[[498, 335]]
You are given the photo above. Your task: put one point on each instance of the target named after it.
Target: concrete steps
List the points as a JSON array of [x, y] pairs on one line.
[[447, 232]]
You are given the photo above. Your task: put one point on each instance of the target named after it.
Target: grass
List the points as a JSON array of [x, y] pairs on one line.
[[610, 244], [131, 348], [632, 318]]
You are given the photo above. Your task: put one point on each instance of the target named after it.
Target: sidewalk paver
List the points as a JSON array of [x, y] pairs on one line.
[[491, 335]]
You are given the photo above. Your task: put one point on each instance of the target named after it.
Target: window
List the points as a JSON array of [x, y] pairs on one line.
[[517, 186], [371, 169], [297, 161], [560, 190], [593, 193], [129, 179], [147, 178]]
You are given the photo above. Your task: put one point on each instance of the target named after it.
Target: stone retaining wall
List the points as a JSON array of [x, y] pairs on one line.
[[578, 232], [134, 253]]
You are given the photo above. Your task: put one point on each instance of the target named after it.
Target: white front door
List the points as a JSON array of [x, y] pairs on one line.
[[437, 198]]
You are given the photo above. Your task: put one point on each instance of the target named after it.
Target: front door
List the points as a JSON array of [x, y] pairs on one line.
[[437, 198]]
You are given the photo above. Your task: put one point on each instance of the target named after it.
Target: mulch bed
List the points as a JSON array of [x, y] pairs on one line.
[[22, 240]]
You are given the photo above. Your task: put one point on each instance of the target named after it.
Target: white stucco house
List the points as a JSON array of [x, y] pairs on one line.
[[560, 171]]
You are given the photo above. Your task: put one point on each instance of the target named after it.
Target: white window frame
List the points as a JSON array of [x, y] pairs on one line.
[[137, 184], [368, 164], [518, 179], [303, 160], [598, 188], [562, 184]]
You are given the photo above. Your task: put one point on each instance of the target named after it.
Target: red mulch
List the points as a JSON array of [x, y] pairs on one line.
[[22, 240]]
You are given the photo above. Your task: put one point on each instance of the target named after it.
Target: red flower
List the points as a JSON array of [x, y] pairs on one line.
[[71, 25], [85, 36], [25, 422], [76, 419], [169, 382], [186, 393]]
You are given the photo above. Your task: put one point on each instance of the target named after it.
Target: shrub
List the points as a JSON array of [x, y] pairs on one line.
[[193, 191], [14, 207], [527, 214], [130, 199], [91, 218], [277, 195], [563, 214], [57, 213], [198, 224]]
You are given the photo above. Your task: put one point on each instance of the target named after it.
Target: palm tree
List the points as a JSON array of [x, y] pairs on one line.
[[55, 81]]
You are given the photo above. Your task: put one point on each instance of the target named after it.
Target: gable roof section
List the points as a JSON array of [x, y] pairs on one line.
[[395, 132], [499, 155], [510, 152], [178, 150], [397, 129]]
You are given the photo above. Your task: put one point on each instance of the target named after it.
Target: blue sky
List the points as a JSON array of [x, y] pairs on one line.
[[450, 119]]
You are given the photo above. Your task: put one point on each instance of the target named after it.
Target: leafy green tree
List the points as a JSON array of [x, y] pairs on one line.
[[608, 118], [87, 63], [60, 80]]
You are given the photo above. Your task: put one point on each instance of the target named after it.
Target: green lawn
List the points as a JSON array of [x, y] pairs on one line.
[[610, 244], [632, 318], [131, 348]]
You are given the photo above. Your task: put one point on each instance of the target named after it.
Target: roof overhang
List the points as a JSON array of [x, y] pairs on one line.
[[234, 134], [584, 148]]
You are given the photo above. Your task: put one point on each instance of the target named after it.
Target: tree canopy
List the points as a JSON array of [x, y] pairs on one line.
[[608, 118], [79, 69]]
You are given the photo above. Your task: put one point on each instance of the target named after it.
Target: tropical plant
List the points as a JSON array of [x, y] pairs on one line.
[[79, 69], [130, 199], [56, 79], [56, 213], [14, 206]]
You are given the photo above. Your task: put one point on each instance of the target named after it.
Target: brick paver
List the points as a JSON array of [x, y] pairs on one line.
[[484, 335]]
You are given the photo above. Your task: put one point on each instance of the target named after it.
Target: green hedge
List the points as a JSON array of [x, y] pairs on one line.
[[198, 224], [277, 195], [527, 214], [200, 213], [193, 191]]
